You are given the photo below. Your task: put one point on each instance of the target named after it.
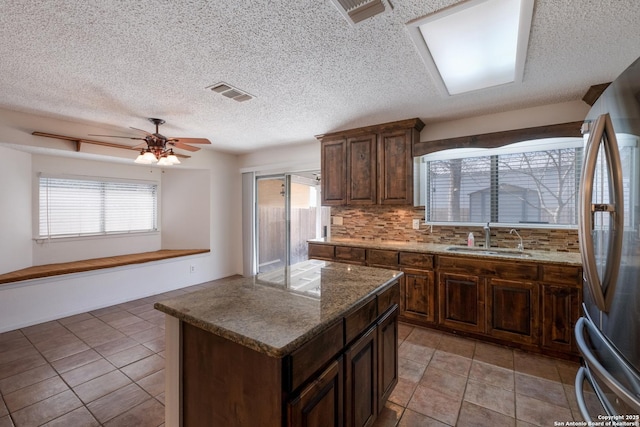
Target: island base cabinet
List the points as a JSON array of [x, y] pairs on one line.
[[361, 382], [218, 374], [320, 404], [387, 356]]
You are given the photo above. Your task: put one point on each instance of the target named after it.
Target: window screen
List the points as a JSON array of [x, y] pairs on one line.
[[78, 207], [534, 183]]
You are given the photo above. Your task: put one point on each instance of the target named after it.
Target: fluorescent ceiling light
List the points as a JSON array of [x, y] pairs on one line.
[[476, 44]]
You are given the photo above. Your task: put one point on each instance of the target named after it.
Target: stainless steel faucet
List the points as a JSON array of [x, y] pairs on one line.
[[520, 245], [487, 236]]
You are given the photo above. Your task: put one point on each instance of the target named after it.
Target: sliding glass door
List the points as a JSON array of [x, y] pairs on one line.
[[288, 213]]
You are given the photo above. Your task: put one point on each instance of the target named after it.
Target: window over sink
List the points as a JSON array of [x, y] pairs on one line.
[[532, 183]]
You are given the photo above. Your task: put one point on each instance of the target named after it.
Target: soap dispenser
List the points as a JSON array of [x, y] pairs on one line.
[[471, 240]]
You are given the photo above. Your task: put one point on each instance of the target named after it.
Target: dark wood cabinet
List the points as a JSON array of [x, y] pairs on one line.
[[561, 301], [396, 167], [362, 177], [418, 296], [321, 403], [461, 302], [334, 172], [387, 355], [512, 310], [350, 255], [560, 310], [322, 252], [361, 381], [369, 165], [520, 303]]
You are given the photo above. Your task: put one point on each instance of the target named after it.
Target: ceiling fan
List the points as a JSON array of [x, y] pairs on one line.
[[159, 148]]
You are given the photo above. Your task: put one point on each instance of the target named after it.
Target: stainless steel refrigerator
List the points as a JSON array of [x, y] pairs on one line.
[[608, 334]]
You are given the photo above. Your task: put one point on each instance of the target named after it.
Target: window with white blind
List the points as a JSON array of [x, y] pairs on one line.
[[72, 207], [533, 182]]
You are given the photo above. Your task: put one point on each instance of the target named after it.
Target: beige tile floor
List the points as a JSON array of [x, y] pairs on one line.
[[106, 368], [446, 380]]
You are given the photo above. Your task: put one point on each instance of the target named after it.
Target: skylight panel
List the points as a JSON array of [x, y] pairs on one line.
[[475, 45]]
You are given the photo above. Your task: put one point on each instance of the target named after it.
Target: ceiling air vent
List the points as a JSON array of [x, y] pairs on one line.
[[230, 92], [355, 11]]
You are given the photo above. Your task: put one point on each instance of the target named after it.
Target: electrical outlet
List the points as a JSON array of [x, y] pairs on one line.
[[192, 269], [337, 220], [416, 224]]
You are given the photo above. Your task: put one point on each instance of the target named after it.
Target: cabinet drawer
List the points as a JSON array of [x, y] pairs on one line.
[[321, 251], [383, 257], [357, 322], [567, 274], [344, 253], [417, 260], [315, 354], [515, 270], [388, 298]]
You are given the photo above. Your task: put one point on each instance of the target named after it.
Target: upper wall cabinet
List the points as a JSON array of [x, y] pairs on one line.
[[370, 165]]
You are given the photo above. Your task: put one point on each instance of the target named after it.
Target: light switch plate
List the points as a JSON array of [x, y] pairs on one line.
[[416, 224]]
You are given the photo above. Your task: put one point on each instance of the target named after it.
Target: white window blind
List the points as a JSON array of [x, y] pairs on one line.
[[534, 183], [78, 207]]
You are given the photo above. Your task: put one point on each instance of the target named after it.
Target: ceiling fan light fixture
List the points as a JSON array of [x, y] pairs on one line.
[[172, 158], [164, 161], [141, 159], [150, 157]]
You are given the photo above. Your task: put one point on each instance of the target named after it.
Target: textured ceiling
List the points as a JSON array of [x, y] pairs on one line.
[[115, 63]]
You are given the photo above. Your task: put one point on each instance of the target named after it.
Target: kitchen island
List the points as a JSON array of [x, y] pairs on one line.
[[310, 344]]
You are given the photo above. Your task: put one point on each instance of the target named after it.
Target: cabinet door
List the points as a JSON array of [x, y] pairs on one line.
[[512, 310], [361, 381], [560, 311], [461, 299], [320, 404], [387, 355], [361, 170], [418, 296], [396, 168], [334, 172]]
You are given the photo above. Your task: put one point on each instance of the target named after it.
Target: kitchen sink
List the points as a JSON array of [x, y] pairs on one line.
[[490, 251]]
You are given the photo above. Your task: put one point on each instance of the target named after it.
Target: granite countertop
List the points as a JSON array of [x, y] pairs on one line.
[[549, 257], [276, 312]]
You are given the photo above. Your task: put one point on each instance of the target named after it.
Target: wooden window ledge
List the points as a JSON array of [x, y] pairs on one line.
[[48, 270]]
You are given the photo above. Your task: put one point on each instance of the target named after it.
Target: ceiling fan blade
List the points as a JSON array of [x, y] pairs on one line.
[[190, 140], [116, 136], [183, 146], [140, 146], [140, 130]]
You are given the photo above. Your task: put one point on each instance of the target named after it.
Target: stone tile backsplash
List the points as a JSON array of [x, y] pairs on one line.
[[395, 223]]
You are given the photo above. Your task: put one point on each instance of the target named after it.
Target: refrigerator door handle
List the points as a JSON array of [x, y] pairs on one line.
[[581, 376], [602, 134], [594, 365]]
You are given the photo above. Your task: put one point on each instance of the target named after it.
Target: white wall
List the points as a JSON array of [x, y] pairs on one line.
[[15, 210], [517, 119], [186, 210], [288, 158]]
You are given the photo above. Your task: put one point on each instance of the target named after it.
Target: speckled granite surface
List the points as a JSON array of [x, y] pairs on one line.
[[277, 312], [437, 249]]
